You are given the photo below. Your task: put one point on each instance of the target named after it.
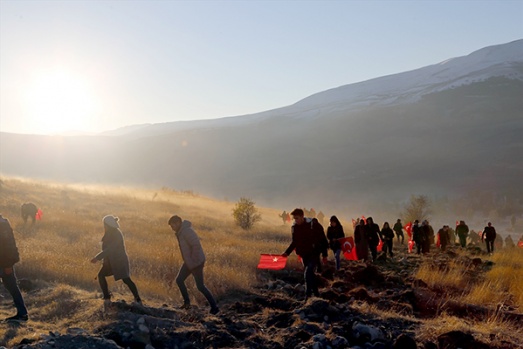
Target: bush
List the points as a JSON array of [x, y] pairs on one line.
[[245, 213]]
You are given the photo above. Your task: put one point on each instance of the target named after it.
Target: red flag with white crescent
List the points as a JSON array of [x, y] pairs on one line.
[[348, 248], [411, 245], [39, 215], [408, 229], [520, 244], [272, 262], [380, 246]]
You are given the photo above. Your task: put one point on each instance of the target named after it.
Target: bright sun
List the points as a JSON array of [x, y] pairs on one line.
[[59, 101]]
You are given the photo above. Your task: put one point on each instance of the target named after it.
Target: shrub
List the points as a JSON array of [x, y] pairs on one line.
[[245, 213]]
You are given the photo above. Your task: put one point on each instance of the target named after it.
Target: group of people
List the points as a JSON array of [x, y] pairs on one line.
[[115, 262], [286, 216]]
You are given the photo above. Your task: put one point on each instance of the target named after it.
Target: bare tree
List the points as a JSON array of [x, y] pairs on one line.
[[417, 208]]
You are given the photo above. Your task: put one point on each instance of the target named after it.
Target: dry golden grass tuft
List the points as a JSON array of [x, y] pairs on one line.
[[503, 284], [59, 247]]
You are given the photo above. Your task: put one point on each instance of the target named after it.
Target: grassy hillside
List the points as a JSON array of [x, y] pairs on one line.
[[58, 248]]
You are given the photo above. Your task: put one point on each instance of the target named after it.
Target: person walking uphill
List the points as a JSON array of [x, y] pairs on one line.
[[361, 241], [335, 232], [309, 242], [8, 258], [372, 231], [489, 235], [398, 228], [193, 261], [387, 235], [115, 260], [462, 230]]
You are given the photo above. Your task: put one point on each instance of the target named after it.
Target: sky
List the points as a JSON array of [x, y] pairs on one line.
[[93, 66]]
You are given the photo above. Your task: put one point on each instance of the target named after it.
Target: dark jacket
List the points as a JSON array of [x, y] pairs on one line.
[[8, 250], [333, 234], [444, 238], [489, 233], [372, 232], [190, 246], [417, 234], [387, 234], [462, 230], [398, 228], [308, 239], [114, 254], [362, 244]]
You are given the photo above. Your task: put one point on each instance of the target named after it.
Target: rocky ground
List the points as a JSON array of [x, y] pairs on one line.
[[378, 306]]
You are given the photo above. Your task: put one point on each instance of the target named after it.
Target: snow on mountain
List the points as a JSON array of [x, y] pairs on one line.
[[408, 87]]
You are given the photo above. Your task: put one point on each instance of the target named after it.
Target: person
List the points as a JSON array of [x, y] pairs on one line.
[[283, 216], [509, 243], [398, 228], [417, 236], [444, 238], [309, 242], [115, 260], [372, 231], [387, 235], [426, 237], [489, 235], [462, 230], [335, 232], [8, 258], [361, 241], [28, 210], [193, 261]]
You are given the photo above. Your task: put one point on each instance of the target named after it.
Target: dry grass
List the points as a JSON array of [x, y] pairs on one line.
[[58, 248], [503, 284]]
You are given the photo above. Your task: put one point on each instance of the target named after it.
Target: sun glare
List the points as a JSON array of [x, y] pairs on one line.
[[59, 101]]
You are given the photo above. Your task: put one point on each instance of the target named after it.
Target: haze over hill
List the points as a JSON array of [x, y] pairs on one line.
[[443, 129]]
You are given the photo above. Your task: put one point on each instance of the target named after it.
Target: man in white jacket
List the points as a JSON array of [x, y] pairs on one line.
[[193, 261]]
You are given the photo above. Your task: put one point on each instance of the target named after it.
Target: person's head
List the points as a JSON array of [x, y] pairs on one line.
[[370, 220], [298, 216], [335, 221], [416, 222], [362, 222], [175, 222], [398, 221], [461, 222], [489, 224], [445, 227], [110, 221], [386, 225]]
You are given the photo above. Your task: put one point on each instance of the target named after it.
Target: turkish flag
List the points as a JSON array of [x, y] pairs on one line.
[[380, 246], [411, 245], [408, 229], [438, 242], [39, 214], [520, 244], [364, 219], [348, 248], [272, 261]]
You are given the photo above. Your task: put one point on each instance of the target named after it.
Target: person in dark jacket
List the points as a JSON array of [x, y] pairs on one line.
[[462, 231], [489, 235], [309, 242], [372, 231], [444, 237], [8, 258], [398, 229], [28, 210], [193, 261], [426, 236], [115, 260], [417, 236], [335, 232], [361, 241], [387, 235]]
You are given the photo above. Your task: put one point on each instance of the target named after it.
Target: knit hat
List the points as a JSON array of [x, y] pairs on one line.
[[111, 221]]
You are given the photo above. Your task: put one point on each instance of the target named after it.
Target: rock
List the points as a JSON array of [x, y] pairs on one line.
[[340, 342], [404, 342], [459, 339], [76, 331], [366, 332]]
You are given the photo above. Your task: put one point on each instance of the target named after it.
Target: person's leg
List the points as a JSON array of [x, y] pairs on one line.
[[390, 243], [337, 258], [180, 281], [133, 288], [11, 285], [197, 273], [310, 276], [374, 252], [102, 274], [492, 246]]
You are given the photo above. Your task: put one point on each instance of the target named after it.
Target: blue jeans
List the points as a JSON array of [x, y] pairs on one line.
[[197, 274], [10, 283], [310, 264]]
